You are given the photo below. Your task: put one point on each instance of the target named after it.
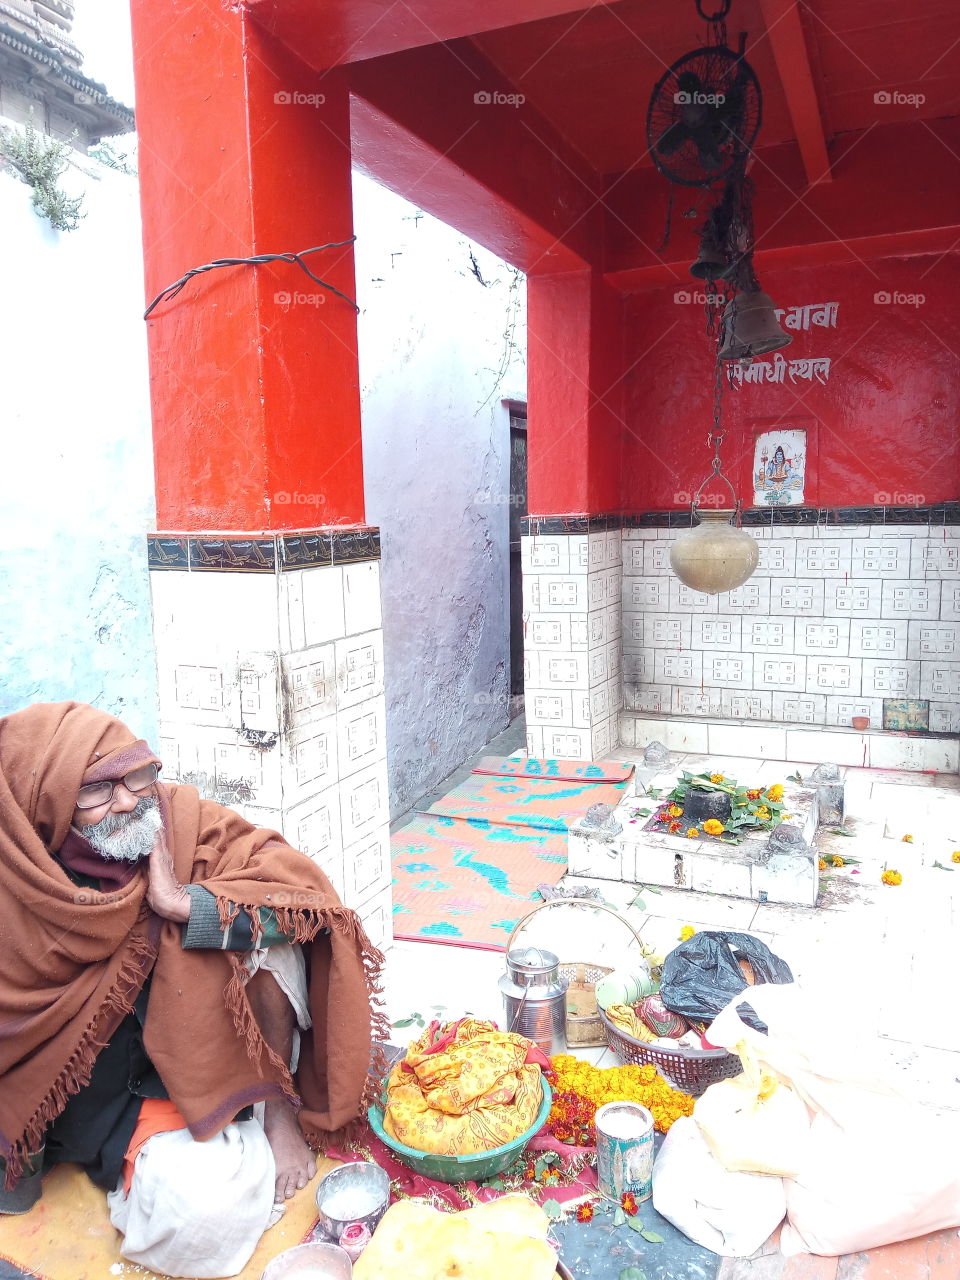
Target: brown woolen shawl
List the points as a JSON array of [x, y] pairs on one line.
[[73, 960]]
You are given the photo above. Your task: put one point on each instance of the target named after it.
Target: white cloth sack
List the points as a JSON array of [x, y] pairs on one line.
[[754, 1122], [730, 1213], [197, 1209], [879, 1167]]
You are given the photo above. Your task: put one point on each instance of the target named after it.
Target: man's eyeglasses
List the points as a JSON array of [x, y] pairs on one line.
[[97, 793]]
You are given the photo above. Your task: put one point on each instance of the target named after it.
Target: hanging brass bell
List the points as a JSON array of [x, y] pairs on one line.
[[751, 328], [711, 263], [715, 555]]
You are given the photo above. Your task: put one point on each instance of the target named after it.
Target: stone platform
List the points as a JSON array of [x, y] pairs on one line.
[[746, 870]]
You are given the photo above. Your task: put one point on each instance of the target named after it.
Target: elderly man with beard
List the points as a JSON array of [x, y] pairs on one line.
[[185, 1005]]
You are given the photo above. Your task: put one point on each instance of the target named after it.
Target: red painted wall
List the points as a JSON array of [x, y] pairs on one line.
[[254, 386], [885, 423], [574, 394]]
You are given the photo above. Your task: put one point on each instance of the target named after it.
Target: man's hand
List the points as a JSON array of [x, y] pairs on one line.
[[165, 894]]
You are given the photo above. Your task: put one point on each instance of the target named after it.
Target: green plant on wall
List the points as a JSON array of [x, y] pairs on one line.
[[41, 162]]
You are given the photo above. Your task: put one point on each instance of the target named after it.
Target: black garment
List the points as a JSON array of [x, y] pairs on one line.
[[95, 1127]]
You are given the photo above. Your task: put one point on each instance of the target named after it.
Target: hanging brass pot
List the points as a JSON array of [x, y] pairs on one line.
[[715, 555]]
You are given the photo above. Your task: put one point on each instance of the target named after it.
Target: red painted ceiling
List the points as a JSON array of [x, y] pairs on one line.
[[590, 70], [591, 73]]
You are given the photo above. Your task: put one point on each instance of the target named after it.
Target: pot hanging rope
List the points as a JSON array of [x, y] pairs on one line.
[[716, 555]]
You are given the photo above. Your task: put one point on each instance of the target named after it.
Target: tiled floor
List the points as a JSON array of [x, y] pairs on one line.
[[884, 956]]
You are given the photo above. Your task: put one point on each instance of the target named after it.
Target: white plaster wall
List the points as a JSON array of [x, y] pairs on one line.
[[76, 476], [439, 352]]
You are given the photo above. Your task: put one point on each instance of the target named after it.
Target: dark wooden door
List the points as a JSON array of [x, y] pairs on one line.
[[518, 508]]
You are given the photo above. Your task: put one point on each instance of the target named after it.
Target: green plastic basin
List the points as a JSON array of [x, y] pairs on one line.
[[475, 1168]]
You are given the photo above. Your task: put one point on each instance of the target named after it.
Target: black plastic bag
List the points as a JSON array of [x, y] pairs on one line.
[[701, 976]]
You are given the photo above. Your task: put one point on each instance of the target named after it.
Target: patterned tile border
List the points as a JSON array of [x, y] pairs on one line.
[[270, 553], [942, 513]]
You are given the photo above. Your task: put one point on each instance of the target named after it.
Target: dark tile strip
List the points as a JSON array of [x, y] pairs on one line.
[[280, 551]]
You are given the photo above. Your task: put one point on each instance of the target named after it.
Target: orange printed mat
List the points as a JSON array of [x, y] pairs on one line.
[[467, 882], [68, 1234]]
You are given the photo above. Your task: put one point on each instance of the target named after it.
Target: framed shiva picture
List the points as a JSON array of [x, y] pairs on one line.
[[780, 471]]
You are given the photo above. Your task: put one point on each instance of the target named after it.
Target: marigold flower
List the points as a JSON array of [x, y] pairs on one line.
[[687, 932], [822, 864], [717, 777], [713, 827], [892, 877], [775, 792], [584, 1212], [908, 839], [753, 795], [629, 1204], [837, 861], [763, 813], [955, 856], [675, 811], [674, 826], [692, 832]]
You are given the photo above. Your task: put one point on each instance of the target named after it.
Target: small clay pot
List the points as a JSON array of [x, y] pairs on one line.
[[698, 806], [861, 722]]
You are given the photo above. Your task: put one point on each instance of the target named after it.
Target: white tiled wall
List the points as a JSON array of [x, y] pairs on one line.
[[831, 623], [573, 674], [271, 700]]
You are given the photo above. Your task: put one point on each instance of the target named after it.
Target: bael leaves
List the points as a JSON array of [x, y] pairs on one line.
[[553, 1209], [619, 1218], [632, 1273], [652, 1236]]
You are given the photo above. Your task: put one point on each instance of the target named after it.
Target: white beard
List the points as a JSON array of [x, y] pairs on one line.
[[126, 837]]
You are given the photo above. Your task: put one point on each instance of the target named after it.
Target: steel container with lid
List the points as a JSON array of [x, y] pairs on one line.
[[535, 998]]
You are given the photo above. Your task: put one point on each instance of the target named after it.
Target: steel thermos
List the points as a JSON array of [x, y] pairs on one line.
[[535, 998]]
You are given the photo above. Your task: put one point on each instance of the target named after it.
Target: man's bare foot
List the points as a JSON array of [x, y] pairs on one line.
[[295, 1161]]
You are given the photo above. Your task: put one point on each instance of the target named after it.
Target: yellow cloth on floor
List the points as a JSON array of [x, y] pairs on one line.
[[68, 1234], [463, 1089]]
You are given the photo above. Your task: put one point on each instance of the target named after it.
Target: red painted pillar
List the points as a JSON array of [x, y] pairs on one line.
[[254, 383], [575, 385]]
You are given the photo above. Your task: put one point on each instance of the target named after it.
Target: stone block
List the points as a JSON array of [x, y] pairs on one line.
[[594, 853]]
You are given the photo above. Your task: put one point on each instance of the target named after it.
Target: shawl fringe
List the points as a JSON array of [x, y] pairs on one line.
[[301, 925], [76, 1073]]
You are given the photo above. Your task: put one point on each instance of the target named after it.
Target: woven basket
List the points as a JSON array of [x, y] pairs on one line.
[[583, 1026], [690, 1070]]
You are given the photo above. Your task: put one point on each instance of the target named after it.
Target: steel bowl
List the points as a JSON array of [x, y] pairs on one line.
[[563, 1273], [358, 1192], [316, 1261]]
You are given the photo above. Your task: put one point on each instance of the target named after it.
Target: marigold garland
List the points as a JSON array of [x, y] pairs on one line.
[[579, 1089]]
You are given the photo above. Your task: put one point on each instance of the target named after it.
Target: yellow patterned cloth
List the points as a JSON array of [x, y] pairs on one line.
[[463, 1089], [625, 1019]]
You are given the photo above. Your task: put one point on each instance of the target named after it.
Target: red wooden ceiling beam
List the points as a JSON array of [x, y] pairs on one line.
[[857, 216], [785, 33], [428, 124], [329, 33]]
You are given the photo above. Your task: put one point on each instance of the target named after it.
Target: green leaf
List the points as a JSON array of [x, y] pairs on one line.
[[940, 867], [652, 1237], [839, 831], [642, 813], [654, 792], [553, 1209], [639, 903], [651, 888], [404, 1022], [794, 777], [495, 1184], [619, 1217], [636, 1223], [632, 1273]]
